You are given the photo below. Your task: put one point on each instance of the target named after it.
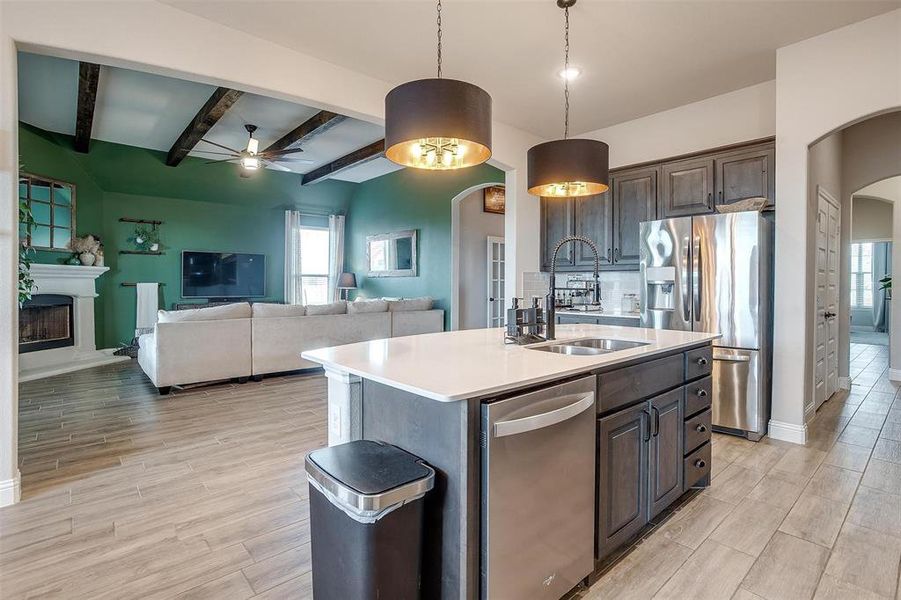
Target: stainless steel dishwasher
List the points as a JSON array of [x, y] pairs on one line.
[[538, 489]]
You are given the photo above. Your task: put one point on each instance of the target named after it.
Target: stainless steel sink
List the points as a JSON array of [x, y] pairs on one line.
[[588, 346]]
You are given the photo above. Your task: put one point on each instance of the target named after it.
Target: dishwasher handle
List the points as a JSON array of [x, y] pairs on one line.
[[516, 426]]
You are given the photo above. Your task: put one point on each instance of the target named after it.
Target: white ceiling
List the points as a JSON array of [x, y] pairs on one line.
[[637, 57], [150, 111]]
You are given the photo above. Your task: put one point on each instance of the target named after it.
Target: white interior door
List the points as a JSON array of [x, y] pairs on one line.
[[495, 281], [827, 293]]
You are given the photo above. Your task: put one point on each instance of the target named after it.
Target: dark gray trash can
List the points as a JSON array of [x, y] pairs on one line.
[[366, 517]]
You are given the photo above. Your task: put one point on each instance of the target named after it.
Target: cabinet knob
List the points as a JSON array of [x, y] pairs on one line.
[[700, 464], [701, 428], [702, 361], [702, 393]]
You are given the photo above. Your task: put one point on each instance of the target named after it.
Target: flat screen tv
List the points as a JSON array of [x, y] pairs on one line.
[[222, 275]]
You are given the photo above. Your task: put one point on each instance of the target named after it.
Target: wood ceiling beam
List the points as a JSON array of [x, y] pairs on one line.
[[208, 115], [315, 125], [88, 77], [355, 158]]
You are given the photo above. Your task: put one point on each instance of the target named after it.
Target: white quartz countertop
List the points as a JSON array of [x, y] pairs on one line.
[[457, 365]]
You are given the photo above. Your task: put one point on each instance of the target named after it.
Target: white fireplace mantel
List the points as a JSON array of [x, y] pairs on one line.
[[78, 282]]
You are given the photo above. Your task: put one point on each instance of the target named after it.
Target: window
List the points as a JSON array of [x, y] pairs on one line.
[[314, 247], [53, 205], [862, 275]]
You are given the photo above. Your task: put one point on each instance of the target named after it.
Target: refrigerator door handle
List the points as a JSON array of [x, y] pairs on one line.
[[731, 358], [686, 300], [697, 280]]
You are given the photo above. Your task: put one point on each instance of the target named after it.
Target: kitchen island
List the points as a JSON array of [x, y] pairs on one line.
[[645, 444]]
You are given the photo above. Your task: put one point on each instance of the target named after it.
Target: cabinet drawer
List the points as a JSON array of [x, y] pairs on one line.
[[697, 466], [698, 362], [698, 395], [697, 431], [625, 386]]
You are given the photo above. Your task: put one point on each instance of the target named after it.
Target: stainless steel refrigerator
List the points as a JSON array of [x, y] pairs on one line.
[[714, 273]]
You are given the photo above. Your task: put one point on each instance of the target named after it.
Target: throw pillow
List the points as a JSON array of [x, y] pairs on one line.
[[366, 306], [239, 310], [332, 308], [424, 303], [265, 310]]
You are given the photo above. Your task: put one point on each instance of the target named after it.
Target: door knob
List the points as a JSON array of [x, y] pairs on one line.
[[829, 315]]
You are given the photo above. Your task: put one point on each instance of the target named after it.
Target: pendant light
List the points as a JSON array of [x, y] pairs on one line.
[[438, 124], [569, 167]]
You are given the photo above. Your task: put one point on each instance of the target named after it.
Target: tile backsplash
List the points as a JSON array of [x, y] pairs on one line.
[[613, 285]]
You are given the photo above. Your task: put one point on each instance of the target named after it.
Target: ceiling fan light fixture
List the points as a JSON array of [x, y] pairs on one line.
[[250, 163], [438, 124], [253, 146]]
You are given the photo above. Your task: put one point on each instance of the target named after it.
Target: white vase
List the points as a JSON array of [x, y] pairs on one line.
[[87, 259], [98, 260]]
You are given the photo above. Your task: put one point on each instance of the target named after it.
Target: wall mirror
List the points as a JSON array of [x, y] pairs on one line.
[[392, 254]]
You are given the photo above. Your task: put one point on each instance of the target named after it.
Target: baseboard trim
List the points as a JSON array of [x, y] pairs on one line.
[[787, 432], [844, 383], [10, 490], [894, 374]]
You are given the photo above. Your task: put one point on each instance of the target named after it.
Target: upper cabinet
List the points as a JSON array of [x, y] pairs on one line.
[[746, 174], [634, 201], [687, 188], [675, 188]]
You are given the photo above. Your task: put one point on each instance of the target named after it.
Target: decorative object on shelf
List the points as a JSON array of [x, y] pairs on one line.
[[392, 254], [86, 248], [347, 282], [494, 200], [438, 124], [251, 159], [26, 281], [146, 236], [569, 167]]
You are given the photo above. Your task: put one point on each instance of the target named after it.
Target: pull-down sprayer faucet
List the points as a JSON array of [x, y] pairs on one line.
[[550, 300]]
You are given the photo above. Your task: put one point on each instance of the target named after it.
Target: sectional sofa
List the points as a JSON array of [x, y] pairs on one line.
[[239, 341]]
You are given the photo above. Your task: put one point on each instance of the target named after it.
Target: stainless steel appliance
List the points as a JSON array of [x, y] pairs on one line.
[[538, 488], [714, 273]]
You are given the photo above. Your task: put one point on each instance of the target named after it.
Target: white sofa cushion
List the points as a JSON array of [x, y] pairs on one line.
[[360, 306], [267, 310], [239, 310], [332, 308], [424, 303]]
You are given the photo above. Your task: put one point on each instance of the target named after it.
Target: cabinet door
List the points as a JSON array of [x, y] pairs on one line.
[[687, 188], [556, 224], [622, 477], [746, 174], [665, 451], [594, 220], [634, 201]]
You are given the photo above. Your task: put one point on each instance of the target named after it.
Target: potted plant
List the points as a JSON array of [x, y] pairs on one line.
[[86, 248], [886, 284], [146, 238], [26, 281]]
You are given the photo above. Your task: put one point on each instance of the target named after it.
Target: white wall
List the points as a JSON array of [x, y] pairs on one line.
[[739, 116], [871, 220], [154, 37], [475, 227], [822, 84]]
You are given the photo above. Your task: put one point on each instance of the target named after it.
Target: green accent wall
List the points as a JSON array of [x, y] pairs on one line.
[[204, 207], [410, 199]]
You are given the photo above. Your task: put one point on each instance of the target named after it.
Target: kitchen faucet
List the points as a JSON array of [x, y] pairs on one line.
[[550, 300]]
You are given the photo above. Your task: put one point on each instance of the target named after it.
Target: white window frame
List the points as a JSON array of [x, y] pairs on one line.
[[857, 293]]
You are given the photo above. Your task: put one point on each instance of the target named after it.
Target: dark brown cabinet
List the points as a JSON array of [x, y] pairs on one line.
[[556, 224], [665, 451], [634, 201], [746, 174], [622, 476], [687, 188], [593, 219]]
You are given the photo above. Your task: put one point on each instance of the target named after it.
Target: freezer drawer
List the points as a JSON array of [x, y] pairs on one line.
[[538, 489], [737, 398]]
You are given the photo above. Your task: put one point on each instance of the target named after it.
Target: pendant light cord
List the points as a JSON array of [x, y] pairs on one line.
[[439, 39], [565, 73]]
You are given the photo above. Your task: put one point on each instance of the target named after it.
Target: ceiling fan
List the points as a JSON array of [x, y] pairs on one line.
[[251, 159]]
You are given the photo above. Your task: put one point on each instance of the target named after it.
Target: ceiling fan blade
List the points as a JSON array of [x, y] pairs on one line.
[[220, 146], [281, 152], [224, 160], [218, 153], [276, 166], [293, 160]]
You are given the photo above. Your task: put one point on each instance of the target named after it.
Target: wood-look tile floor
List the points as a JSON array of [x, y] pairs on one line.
[[202, 494], [782, 521]]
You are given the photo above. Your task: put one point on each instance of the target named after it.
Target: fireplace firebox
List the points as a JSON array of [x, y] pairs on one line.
[[46, 321]]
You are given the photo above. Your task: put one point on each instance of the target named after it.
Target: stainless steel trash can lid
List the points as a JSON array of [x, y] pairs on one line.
[[369, 477]]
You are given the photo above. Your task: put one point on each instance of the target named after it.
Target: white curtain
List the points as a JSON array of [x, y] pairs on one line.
[[293, 292], [335, 254], [882, 266]]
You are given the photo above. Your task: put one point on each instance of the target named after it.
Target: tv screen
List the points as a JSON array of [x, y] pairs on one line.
[[222, 275]]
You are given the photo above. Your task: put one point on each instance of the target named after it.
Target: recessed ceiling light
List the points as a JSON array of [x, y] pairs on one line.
[[570, 73]]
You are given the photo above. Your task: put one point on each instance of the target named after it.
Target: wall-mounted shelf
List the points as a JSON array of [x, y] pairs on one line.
[[129, 284], [143, 221], [146, 252]]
